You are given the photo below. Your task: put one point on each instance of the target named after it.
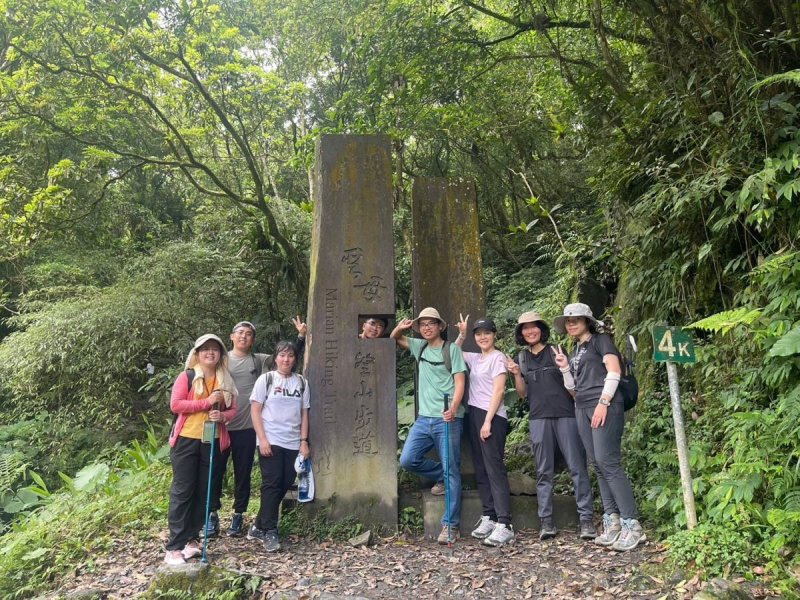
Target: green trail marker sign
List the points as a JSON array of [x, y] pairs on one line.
[[672, 344]]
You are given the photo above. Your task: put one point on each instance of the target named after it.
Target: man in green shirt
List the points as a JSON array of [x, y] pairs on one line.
[[428, 431]]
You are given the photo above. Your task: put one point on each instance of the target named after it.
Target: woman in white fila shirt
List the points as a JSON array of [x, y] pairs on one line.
[[279, 409]]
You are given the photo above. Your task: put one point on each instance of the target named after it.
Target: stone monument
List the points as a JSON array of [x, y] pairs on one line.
[[352, 381]]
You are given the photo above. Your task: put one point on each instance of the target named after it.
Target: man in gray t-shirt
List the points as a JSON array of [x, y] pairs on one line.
[[245, 367]]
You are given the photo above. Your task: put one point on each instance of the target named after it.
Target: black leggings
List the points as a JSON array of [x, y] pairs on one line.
[[277, 476]]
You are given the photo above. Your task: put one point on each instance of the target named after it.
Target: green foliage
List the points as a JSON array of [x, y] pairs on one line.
[[410, 521], [87, 517], [714, 550]]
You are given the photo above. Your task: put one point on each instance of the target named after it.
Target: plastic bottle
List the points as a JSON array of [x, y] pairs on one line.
[[302, 484]]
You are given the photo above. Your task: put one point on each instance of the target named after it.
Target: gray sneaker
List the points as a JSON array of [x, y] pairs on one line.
[[254, 533], [588, 530], [271, 541], [631, 536], [503, 534], [611, 530], [483, 528], [547, 530], [448, 536]]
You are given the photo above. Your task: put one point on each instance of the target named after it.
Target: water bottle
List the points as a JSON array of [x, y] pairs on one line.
[[302, 484]]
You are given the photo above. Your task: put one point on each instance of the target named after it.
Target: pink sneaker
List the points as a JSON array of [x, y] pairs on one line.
[[191, 550], [174, 557]]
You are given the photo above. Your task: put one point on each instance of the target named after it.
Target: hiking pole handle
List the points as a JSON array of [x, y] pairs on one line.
[[446, 401]]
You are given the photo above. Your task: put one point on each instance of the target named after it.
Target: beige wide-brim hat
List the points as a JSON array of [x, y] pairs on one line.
[[202, 340], [530, 317], [428, 313], [578, 309]]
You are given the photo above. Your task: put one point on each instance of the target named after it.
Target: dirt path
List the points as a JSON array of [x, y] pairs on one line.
[[402, 567]]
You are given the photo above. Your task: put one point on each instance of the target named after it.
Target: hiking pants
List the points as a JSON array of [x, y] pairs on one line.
[[604, 450], [490, 470], [187, 495], [547, 436], [242, 452], [277, 476]]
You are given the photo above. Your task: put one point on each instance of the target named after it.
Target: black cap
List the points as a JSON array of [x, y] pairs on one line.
[[484, 324]]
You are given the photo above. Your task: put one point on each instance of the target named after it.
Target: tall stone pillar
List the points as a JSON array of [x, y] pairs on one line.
[[352, 381], [447, 270]]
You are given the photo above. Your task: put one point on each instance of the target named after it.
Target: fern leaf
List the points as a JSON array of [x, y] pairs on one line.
[[725, 321], [788, 344]]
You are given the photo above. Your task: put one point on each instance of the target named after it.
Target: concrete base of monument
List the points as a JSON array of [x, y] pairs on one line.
[[523, 513]]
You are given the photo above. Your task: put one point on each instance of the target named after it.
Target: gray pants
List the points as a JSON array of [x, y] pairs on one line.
[[561, 433], [603, 449]]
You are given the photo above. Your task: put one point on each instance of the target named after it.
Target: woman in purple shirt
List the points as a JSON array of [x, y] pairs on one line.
[[488, 427]]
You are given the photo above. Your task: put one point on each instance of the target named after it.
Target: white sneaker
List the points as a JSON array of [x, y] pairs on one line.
[[483, 528], [503, 534]]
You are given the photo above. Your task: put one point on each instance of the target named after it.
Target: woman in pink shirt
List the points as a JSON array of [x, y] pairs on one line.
[[202, 394], [488, 427]]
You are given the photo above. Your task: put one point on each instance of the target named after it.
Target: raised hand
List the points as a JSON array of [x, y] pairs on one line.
[[462, 325], [405, 324], [561, 359], [512, 367], [302, 328]]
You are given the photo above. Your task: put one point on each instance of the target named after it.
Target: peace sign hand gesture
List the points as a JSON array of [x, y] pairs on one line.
[[561, 359], [462, 325]]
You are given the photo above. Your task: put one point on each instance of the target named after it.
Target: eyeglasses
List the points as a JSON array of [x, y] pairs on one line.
[[427, 324], [214, 349]]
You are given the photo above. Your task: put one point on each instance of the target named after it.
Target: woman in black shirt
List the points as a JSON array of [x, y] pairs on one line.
[[592, 375], [551, 423]]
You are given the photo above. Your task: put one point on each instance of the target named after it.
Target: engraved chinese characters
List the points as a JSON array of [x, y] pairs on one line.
[[352, 380]]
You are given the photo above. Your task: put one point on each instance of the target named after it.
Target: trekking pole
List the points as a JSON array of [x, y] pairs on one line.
[[447, 471], [204, 558]]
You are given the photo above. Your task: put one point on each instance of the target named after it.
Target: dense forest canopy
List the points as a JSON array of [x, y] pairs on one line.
[[155, 183]]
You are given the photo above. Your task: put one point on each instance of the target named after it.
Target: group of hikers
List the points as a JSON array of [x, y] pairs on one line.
[[234, 404]]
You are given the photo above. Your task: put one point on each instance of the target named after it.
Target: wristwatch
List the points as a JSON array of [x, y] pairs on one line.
[[604, 401]]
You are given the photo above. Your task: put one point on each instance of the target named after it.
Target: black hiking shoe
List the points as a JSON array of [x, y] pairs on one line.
[[213, 525], [547, 530], [237, 525]]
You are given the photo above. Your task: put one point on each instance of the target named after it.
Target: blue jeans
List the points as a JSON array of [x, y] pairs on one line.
[[425, 433]]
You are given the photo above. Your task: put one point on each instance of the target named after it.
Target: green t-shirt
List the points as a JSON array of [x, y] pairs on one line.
[[434, 379]]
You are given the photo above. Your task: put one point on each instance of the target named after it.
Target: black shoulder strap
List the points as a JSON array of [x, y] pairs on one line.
[[269, 385], [190, 377], [446, 358]]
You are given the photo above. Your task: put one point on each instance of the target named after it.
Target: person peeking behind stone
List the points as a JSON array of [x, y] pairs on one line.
[[437, 376], [373, 328], [203, 394], [551, 423], [245, 367], [592, 374], [488, 426]]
